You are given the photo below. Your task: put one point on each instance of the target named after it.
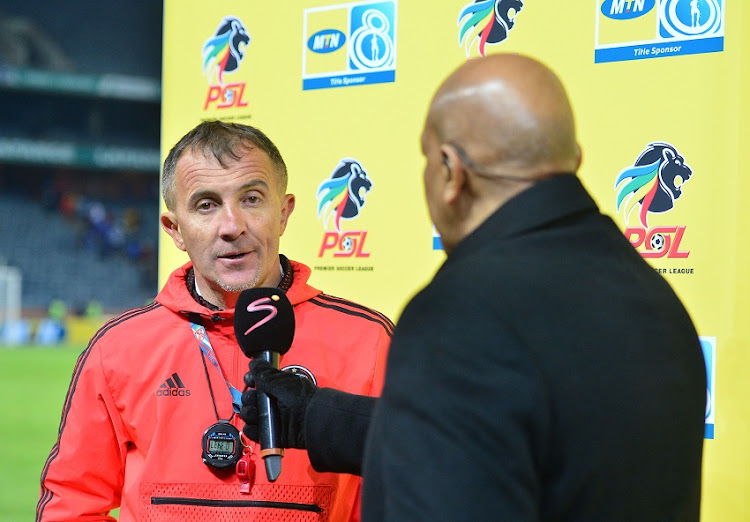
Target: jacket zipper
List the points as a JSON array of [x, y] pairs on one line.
[[161, 501]]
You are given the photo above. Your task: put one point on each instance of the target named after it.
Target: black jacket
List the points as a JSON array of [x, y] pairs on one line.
[[546, 373]]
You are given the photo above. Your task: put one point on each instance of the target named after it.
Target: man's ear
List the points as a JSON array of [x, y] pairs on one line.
[[170, 226], [455, 176], [287, 207], [579, 157]]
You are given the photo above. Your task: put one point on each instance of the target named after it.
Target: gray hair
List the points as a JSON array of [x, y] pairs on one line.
[[221, 140]]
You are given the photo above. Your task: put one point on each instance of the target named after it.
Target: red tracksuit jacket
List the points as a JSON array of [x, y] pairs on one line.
[[139, 403]]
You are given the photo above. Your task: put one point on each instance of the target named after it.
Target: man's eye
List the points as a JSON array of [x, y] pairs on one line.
[[205, 205]]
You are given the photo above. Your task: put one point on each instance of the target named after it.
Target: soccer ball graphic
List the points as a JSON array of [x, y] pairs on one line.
[[347, 244], [657, 242]]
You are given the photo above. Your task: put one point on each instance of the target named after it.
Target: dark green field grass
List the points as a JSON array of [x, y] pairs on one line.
[[33, 384]]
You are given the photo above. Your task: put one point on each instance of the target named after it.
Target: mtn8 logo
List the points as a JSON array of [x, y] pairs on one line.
[[371, 44], [679, 18]]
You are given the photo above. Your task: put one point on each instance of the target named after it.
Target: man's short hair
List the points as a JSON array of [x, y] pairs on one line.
[[221, 140]]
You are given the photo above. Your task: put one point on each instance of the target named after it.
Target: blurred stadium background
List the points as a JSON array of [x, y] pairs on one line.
[[80, 101], [79, 162]]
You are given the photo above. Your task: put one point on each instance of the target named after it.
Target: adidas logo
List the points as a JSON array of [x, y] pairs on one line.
[[173, 387]]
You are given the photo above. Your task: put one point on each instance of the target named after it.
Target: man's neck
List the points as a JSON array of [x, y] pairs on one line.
[[217, 299], [227, 300]]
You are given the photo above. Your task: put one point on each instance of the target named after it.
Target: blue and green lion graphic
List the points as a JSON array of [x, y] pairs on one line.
[[342, 196], [654, 182]]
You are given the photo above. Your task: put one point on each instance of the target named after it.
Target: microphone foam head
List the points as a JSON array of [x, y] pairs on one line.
[[263, 320]]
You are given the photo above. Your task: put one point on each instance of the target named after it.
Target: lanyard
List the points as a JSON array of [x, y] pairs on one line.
[[202, 337]]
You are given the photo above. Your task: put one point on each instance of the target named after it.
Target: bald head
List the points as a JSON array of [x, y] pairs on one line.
[[510, 114]]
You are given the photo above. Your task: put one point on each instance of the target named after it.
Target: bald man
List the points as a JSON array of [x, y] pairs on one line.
[[547, 373]]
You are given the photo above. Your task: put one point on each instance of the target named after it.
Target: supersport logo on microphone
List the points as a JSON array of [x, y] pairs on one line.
[[263, 320], [258, 306]]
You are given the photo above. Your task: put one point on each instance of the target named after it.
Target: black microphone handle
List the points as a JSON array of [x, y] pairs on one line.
[[269, 429]]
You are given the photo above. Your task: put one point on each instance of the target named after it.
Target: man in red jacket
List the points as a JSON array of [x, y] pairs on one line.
[[156, 384]]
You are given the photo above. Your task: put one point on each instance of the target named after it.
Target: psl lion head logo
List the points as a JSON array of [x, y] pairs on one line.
[[654, 182], [343, 194], [224, 51], [486, 22]]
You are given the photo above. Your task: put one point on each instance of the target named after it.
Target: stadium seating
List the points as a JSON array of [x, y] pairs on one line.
[[47, 248]]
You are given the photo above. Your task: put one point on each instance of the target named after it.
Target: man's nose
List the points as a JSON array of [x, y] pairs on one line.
[[231, 225]]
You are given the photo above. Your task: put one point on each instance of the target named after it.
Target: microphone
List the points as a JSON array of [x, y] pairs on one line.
[[264, 327]]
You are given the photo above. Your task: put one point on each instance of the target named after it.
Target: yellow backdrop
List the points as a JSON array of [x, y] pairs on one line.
[[342, 89]]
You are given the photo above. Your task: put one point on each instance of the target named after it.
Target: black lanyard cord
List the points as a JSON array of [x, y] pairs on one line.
[[211, 389]]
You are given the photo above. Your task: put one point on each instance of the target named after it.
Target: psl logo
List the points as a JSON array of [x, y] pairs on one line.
[[342, 196], [652, 185], [223, 53], [486, 22]]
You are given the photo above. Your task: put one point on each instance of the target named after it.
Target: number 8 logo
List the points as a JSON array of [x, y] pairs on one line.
[[380, 53]]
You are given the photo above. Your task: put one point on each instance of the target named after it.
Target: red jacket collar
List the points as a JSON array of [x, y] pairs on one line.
[[175, 294]]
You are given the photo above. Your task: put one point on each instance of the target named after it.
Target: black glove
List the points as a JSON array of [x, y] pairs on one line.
[[291, 394]]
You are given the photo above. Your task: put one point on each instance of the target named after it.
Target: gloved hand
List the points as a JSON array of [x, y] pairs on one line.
[[292, 395]]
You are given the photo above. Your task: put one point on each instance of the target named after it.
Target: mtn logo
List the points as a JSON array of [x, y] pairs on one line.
[[626, 9], [326, 41], [173, 387]]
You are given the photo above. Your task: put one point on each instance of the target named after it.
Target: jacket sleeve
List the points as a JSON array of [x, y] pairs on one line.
[[336, 422], [335, 430], [83, 476]]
